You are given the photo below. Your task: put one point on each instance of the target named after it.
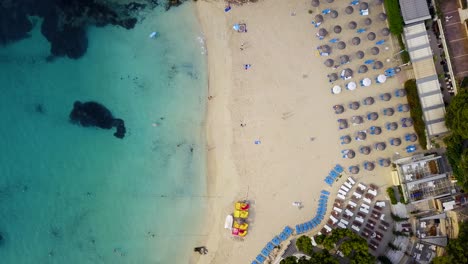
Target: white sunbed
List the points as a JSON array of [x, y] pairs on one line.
[[334, 220], [380, 204], [342, 197], [348, 212], [353, 204], [362, 186], [351, 180], [357, 195], [337, 209], [367, 200], [344, 222], [373, 192], [364, 210], [342, 192], [340, 224], [344, 188], [355, 228], [382, 216], [348, 185], [359, 219], [365, 206], [327, 228]]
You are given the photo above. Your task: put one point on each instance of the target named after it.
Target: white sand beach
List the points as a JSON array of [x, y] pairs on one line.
[[283, 101]]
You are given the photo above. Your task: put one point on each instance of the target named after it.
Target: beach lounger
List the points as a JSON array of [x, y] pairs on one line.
[[333, 174], [353, 204], [348, 212], [355, 228], [342, 192], [337, 209], [367, 200], [276, 241], [338, 168], [287, 230], [351, 180], [325, 192], [359, 219], [373, 192], [357, 195], [334, 220], [344, 188], [344, 222], [324, 196], [364, 210], [348, 185], [327, 228], [365, 206], [342, 197], [260, 258], [265, 252], [362, 186], [283, 236], [340, 224], [254, 262], [298, 229]]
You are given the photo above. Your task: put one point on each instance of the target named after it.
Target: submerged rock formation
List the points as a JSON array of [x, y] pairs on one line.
[[94, 114]]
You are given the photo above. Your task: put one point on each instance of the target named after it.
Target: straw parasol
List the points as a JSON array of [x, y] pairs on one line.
[[330, 1], [348, 72], [378, 65], [366, 150], [400, 92], [382, 16], [369, 165], [380, 146], [406, 122], [339, 109], [329, 63], [326, 48], [371, 36], [403, 108], [357, 120], [344, 59], [372, 116], [349, 10], [395, 141], [334, 14], [392, 126], [361, 135], [322, 32], [333, 77], [341, 45], [352, 25], [385, 97], [376, 130], [368, 21], [388, 111], [337, 29], [356, 41], [359, 54], [343, 123], [354, 105], [350, 154], [411, 137], [385, 162], [363, 69], [318, 18], [315, 3], [375, 50], [364, 6], [385, 31], [368, 101], [346, 139], [353, 169]]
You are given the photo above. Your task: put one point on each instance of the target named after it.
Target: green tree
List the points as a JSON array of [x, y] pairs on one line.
[[289, 260], [323, 257], [304, 244], [319, 239], [456, 251], [456, 117]]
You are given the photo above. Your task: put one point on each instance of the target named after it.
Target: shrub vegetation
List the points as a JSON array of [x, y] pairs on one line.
[[416, 111]]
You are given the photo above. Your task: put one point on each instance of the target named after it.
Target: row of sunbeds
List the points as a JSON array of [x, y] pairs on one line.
[[314, 222], [334, 173], [284, 235]]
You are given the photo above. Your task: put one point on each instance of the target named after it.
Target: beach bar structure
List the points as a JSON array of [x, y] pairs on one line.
[[427, 81], [424, 178], [414, 11]]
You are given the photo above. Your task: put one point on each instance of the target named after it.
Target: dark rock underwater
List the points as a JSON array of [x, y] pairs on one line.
[[65, 21]]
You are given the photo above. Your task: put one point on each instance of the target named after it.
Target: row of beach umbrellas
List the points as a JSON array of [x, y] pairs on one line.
[[355, 105], [391, 126], [375, 130], [369, 165], [362, 6]]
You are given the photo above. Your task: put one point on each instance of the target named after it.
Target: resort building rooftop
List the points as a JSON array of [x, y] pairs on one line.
[[414, 11]]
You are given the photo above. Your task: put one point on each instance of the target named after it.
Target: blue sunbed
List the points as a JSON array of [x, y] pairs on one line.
[[325, 192], [265, 252], [254, 262], [333, 174], [260, 258], [287, 230], [283, 236], [339, 168], [270, 246], [276, 241], [298, 230], [324, 196]]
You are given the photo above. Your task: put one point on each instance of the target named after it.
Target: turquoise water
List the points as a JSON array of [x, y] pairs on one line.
[[70, 194]]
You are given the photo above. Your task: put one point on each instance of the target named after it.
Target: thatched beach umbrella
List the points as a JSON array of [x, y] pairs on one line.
[[375, 50], [406, 122], [366, 150], [329, 63], [359, 54], [372, 116], [357, 120], [368, 100], [348, 72], [345, 139], [352, 25], [375, 130], [364, 6], [411, 137], [350, 154], [378, 65], [326, 48], [344, 59], [356, 41], [363, 69], [382, 16], [371, 36], [318, 19], [315, 3], [385, 97], [380, 146], [323, 32], [395, 141], [385, 31], [403, 108], [343, 123], [367, 21], [353, 169], [391, 126], [388, 111], [334, 14], [337, 29], [369, 165], [354, 105], [330, 1], [349, 10], [333, 77], [361, 135], [385, 162], [339, 109], [400, 92], [341, 45]]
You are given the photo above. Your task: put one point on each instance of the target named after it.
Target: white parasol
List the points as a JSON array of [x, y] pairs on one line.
[[351, 86], [381, 78], [336, 89], [366, 82]]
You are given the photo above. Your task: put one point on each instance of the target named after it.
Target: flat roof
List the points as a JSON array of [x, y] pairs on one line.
[[414, 11], [427, 81]]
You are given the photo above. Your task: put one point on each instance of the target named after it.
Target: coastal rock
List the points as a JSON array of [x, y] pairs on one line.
[[14, 23], [94, 114]]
